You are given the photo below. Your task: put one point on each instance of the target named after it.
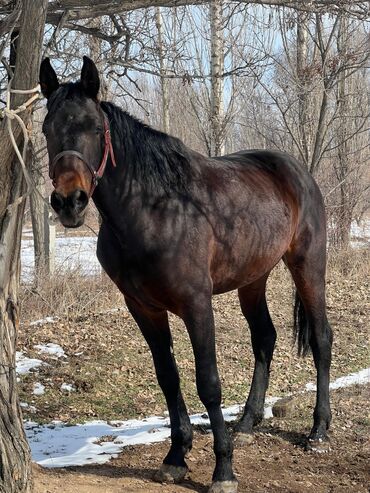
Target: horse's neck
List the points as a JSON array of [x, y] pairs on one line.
[[120, 199]]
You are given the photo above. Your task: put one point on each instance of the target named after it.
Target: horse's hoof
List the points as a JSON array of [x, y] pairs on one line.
[[170, 474], [223, 487], [318, 445], [243, 439]]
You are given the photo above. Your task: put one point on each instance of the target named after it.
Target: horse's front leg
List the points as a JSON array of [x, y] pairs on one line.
[[156, 330], [198, 317]]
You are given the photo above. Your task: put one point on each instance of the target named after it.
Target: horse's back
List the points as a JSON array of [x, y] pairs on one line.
[[276, 173], [280, 166]]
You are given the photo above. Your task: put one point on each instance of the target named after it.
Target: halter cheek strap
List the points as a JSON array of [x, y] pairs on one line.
[[96, 174]]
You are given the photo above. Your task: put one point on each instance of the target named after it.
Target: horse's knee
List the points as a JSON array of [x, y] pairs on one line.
[[209, 388]]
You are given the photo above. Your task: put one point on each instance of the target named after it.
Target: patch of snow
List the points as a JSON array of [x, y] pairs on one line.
[[269, 402], [29, 408], [359, 378], [361, 228], [360, 233], [310, 387], [57, 445], [51, 349], [24, 364], [38, 388], [71, 252], [68, 387], [47, 320], [62, 446]]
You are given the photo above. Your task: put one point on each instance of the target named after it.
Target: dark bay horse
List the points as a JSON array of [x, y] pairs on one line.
[[178, 227]]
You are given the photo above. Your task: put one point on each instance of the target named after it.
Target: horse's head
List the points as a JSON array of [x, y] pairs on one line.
[[78, 140]]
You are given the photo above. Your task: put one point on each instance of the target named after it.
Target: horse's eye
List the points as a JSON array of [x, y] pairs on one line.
[[99, 130]]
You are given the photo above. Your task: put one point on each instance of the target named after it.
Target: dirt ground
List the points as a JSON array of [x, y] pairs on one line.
[[274, 462]]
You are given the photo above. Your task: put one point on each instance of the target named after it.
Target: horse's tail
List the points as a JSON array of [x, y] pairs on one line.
[[301, 327]]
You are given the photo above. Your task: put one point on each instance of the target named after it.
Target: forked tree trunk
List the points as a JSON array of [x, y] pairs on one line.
[[15, 460]]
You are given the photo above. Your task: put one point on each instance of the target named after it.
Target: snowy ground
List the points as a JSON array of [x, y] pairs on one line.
[[96, 442], [71, 252], [360, 234]]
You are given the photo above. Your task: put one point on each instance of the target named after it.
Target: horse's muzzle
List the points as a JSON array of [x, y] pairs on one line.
[[70, 209]]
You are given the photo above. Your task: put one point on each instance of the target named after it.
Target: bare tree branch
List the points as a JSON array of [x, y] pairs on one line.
[[87, 9]]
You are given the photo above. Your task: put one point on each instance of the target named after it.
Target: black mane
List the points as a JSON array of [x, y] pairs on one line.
[[159, 162], [156, 160]]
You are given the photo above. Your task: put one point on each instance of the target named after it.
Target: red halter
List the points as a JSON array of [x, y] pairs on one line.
[[96, 174]]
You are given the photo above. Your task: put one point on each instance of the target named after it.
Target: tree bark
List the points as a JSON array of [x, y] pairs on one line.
[[95, 45], [217, 86], [303, 132], [318, 138], [344, 213], [162, 71], [37, 206], [15, 460]]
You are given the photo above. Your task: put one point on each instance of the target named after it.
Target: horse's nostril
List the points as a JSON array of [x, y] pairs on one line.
[[56, 201], [80, 199]]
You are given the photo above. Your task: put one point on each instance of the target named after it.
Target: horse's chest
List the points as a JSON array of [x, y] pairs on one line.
[[134, 268]]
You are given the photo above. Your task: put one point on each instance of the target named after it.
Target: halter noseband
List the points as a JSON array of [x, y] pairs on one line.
[[96, 174]]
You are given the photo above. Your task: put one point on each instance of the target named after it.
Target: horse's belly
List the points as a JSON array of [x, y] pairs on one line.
[[227, 278], [246, 259]]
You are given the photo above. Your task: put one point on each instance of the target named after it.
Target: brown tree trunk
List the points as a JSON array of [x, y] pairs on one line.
[[15, 460], [303, 132], [95, 46], [37, 206], [344, 214]]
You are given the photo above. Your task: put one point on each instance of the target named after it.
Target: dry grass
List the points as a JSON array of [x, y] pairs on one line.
[[349, 262], [68, 294]]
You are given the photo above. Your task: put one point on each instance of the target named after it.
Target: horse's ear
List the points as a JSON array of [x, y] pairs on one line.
[[90, 78], [48, 78]]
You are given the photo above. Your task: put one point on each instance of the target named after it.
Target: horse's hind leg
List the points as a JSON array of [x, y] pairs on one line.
[[263, 335], [198, 318], [155, 328], [306, 261]]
